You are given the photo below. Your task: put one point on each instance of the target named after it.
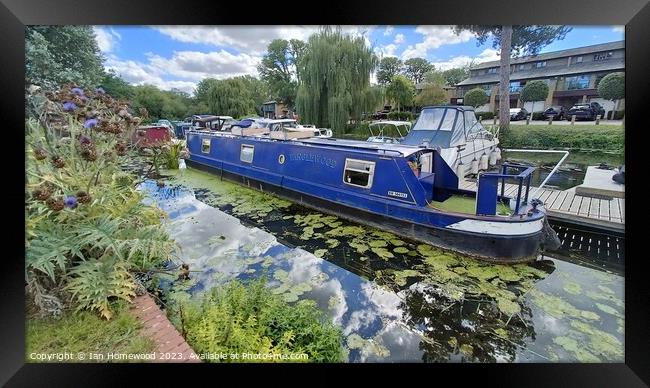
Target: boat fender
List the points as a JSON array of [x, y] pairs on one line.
[[493, 157], [498, 153], [483, 164], [474, 166], [550, 239]]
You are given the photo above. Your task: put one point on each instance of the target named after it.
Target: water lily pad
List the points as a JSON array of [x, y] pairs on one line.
[[378, 243], [332, 243], [383, 253], [400, 250], [320, 252]]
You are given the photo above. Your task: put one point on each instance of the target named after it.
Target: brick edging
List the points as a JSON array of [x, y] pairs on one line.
[[170, 345]]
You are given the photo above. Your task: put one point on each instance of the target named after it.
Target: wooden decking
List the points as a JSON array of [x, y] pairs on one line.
[[170, 345], [566, 205]]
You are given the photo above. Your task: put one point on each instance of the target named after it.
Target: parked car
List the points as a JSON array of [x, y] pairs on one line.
[[557, 112], [587, 111], [518, 114]]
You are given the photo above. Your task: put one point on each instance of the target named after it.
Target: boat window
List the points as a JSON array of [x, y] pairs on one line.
[[448, 121], [358, 173], [429, 119], [247, 152], [205, 146]]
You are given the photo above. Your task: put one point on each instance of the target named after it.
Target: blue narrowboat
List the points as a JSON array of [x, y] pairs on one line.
[[401, 188]]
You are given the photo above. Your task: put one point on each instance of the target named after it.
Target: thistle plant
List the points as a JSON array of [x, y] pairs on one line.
[[87, 227]]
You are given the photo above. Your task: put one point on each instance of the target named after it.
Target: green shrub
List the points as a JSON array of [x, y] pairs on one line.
[[476, 97], [538, 116], [596, 137], [86, 224], [402, 116], [248, 318], [485, 115]]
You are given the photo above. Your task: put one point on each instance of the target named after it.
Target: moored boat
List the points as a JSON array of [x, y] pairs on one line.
[[408, 190]]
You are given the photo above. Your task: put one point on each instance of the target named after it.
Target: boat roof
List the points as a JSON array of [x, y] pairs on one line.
[[204, 118], [391, 122], [273, 121], [405, 150]]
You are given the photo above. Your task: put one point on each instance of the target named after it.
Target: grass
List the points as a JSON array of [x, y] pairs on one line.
[[86, 332], [467, 205]]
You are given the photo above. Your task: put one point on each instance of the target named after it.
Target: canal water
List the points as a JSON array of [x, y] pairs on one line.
[[395, 300], [570, 173]]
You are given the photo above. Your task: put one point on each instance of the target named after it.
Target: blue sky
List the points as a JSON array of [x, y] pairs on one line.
[[180, 56]]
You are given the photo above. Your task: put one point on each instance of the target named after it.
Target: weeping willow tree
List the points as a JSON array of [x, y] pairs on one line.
[[335, 79]]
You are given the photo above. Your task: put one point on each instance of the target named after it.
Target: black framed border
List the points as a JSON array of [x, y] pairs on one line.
[[15, 14]]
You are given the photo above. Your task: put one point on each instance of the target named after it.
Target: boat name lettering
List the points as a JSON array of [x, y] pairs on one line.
[[313, 158]]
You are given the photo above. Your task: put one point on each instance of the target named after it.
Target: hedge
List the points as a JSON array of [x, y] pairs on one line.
[[596, 137]]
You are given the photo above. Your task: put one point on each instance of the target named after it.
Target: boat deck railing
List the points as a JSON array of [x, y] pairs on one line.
[[486, 198]]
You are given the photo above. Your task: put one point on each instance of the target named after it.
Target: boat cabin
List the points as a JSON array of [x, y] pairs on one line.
[[212, 122], [446, 127]]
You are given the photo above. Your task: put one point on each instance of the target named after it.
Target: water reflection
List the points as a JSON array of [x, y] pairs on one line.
[[394, 299]]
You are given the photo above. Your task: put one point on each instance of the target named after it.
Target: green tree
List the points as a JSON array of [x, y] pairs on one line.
[[388, 68], [278, 68], [334, 78], [435, 77], [513, 40], [401, 91], [416, 68], [534, 91], [454, 76], [55, 55], [612, 87], [236, 96], [150, 98], [116, 86], [476, 97], [202, 89], [431, 94]]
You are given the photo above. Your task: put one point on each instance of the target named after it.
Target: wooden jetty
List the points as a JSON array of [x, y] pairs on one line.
[[565, 205]]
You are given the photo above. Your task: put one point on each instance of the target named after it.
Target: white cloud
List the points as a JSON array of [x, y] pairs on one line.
[[462, 60], [618, 29], [195, 65], [399, 38], [253, 40], [389, 30], [387, 50], [434, 37], [184, 69], [107, 38]]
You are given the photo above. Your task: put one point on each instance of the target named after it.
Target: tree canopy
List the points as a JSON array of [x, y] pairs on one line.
[[476, 97], [55, 55], [454, 76], [416, 68], [236, 97], [612, 86], [278, 68], [534, 91], [388, 68], [513, 40], [334, 76], [401, 91], [431, 94]]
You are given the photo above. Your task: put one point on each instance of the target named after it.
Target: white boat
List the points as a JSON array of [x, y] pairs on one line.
[[378, 129], [461, 139]]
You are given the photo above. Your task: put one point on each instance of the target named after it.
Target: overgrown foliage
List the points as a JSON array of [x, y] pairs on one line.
[[248, 318], [86, 226], [334, 78]]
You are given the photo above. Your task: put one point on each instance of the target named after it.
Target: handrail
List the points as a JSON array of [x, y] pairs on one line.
[[525, 174], [566, 155]]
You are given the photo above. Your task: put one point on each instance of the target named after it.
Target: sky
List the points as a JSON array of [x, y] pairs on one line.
[[181, 56]]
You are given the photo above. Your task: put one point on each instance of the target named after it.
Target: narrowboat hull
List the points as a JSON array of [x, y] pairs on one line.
[[505, 248]]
